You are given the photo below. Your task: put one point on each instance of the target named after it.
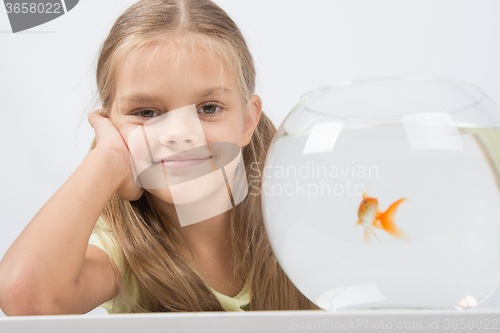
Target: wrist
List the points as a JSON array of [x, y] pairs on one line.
[[113, 163]]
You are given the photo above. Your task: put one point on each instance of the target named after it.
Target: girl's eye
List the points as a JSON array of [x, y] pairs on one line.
[[209, 109], [146, 113]]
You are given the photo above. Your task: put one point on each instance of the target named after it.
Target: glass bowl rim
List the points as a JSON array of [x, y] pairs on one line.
[[317, 90]]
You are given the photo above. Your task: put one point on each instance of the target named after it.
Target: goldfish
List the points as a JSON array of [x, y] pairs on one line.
[[370, 216]]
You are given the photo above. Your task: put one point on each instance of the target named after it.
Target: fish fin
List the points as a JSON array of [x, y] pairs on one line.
[[367, 237], [374, 234], [364, 195], [359, 222], [387, 221]]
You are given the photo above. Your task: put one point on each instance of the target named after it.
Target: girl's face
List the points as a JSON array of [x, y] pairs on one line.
[[181, 102]]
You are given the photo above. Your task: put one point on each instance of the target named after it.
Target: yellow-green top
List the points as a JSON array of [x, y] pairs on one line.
[[111, 247]]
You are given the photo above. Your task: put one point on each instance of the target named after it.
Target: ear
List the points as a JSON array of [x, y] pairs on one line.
[[252, 119]]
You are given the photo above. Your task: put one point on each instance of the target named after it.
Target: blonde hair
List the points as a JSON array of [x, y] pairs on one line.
[[149, 244]]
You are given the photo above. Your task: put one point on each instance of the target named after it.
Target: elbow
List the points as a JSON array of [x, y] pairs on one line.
[[19, 296], [15, 299]]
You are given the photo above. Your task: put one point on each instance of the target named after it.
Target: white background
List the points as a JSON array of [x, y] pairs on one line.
[[47, 78]]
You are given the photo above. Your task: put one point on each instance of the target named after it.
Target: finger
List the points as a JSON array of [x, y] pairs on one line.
[[95, 117], [92, 118], [130, 192]]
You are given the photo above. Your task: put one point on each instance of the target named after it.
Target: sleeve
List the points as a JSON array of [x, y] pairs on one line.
[[103, 237], [96, 240]]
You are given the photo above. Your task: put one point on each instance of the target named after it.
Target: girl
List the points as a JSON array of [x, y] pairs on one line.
[[160, 55]]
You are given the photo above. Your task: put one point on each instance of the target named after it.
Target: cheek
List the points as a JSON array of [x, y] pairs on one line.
[[138, 148], [224, 130], [138, 151]]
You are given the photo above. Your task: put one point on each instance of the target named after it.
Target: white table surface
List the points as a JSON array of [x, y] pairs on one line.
[[474, 320]]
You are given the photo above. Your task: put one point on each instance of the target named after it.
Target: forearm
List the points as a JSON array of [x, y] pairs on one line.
[[48, 255]]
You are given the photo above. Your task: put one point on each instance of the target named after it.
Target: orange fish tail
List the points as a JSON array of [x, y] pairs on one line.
[[387, 220], [394, 231]]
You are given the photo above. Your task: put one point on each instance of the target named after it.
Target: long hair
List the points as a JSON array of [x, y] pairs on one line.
[[149, 245]]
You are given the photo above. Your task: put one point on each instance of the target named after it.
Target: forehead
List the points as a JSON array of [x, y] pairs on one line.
[[174, 68]]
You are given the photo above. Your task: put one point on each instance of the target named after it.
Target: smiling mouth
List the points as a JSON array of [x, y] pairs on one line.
[[182, 163]]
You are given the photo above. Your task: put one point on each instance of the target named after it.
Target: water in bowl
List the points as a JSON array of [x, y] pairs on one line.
[[451, 216]]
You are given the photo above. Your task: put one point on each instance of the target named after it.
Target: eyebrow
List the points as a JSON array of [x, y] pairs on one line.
[[214, 90], [145, 98]]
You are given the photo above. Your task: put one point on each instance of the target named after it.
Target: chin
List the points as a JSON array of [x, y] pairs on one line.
[[163, 195]]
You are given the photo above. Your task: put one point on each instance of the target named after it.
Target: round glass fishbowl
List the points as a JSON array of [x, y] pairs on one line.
[[384, 194]]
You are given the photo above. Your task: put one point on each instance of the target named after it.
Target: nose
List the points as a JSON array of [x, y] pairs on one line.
[[180, 130]]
